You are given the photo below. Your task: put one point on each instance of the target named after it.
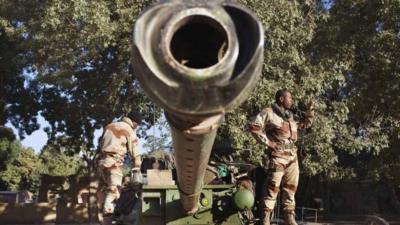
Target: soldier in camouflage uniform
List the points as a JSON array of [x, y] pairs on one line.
[[118, 139], [276, 128]]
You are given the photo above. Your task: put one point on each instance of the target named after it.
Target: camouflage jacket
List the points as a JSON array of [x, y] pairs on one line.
[[120, 137], [274, 124]]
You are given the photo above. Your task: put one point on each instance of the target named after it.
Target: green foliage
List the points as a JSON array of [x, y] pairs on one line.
[[346, 58], [18, 96], [158, 137], [82, 58], [290, 63], [319, 54], [362, 38], [19, 168], [79, 55], [367, 51], [57, 162], [157, 142]]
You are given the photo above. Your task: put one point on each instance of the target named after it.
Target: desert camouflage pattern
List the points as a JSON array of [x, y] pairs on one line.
[[118, 139], [274, 125]]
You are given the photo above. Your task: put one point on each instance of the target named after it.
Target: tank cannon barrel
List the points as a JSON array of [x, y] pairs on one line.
[[196, 59]]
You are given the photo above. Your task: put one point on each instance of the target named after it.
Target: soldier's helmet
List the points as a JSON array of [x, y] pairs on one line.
[[135, 117]]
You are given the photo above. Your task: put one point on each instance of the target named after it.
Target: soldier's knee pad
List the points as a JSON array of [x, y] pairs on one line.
[[113, 189], [115, 179]]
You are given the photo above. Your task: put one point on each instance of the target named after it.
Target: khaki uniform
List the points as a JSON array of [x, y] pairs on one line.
[[274, 124], [118, 139]]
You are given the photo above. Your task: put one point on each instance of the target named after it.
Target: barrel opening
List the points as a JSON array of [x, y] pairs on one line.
[[198, 42]]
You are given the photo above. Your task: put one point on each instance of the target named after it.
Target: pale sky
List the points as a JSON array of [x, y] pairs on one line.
[[37, 139]]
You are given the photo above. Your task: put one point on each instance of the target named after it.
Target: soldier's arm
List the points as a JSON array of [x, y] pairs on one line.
[[133, 149], [136, 156], [257, 125], [105, 139], [308, 119]]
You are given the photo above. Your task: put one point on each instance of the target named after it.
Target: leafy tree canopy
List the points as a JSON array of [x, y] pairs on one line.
[[77, 55], [57, 161], [19, 168], [18, 96]]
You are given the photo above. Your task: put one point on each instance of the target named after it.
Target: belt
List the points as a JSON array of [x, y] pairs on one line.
[[285, 146], [282, 153], [286, 149], [113, 155]]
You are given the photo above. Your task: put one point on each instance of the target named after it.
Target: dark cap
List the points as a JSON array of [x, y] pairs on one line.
[[135, 117]]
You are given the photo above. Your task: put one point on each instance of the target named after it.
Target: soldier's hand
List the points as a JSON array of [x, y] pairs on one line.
[[135, 169], [253, 127], [272, 145], [136, 176]]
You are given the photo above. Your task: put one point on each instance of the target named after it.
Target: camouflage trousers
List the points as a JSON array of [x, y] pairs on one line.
[[110, 170], [283, 171], [110, 164]]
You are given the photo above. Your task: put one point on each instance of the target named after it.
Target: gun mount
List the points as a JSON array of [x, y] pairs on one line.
[[196, 59]]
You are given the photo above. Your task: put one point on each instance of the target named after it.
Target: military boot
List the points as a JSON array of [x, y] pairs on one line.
[[266, 217], [290, 218]]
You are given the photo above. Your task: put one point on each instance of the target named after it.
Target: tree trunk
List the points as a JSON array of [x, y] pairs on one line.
[[93, 188]]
